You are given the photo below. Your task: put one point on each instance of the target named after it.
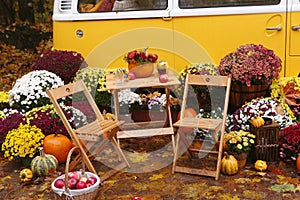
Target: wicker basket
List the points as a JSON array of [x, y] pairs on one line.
[[77, 194]]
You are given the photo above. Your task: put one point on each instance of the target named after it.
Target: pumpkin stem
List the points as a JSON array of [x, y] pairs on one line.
[[226, 155], [42, 152]]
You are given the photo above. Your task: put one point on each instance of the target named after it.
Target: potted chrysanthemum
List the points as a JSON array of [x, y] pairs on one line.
[[252, 68]]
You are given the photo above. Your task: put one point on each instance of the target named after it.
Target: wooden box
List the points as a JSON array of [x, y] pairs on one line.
[[266, 141]]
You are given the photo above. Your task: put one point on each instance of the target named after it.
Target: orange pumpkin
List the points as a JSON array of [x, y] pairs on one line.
[[57, 145], [298, 163], [188, 113]]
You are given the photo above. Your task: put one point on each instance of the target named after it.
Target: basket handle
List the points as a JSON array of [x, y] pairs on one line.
[[67, 166]]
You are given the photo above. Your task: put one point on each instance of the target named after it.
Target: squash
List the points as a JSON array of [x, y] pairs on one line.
[[298, 162], [41, 164], [26, 175], [57, 145], [229, 164], [258, 121], [260, 165]]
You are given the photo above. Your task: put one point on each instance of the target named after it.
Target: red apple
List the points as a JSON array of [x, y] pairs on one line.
[[89, 184], [163, 78], [72, 183], [131, 75], [81, 185], [92, 180], [75, 175], [59, 183], [136, 198]]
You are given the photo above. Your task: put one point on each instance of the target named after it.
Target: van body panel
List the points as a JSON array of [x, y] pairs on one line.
[[180, 36]]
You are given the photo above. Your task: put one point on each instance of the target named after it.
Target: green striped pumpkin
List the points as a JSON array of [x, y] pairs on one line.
[[41, 164], [229, 165]]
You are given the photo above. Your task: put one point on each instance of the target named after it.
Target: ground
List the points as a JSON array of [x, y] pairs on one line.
[[280, 181]]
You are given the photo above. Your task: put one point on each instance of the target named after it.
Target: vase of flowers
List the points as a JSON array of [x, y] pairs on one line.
[[252, 68], [239, 143], [141, 62]]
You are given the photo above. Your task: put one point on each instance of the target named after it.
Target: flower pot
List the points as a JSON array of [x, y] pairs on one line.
[[143, 71], [147, 115], [240, 94], [241, 158]]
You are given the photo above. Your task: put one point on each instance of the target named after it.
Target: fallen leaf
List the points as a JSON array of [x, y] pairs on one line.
[[285, 187], [156, 177]]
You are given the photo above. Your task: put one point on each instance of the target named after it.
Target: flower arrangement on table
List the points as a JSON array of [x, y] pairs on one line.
[[251, 64], [264, 107], [22, 142], [239, 142], [289, 143], [63, 63], [29, 91], [140, 63], [139, 57]]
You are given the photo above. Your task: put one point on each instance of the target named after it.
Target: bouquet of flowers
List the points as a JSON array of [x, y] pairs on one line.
[[251, 64], [239, 141], [29, 91], [140, 57], [289, 142], [22, 142], [264, 107]]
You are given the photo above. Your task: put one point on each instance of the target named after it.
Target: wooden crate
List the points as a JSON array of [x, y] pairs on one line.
[[266, 141]]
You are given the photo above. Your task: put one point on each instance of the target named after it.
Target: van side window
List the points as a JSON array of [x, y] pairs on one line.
[[120, 5], [223, 3]]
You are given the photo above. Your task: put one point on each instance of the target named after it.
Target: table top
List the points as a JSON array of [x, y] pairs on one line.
[[152, 81]]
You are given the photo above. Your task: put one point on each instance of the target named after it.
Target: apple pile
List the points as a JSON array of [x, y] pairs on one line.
[[76, 181]]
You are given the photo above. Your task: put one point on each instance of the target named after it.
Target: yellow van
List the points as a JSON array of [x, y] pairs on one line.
[[179, 31]]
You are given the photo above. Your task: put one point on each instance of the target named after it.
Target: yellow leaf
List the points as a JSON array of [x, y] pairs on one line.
[[139, 157], [5, 178], [156, 177]]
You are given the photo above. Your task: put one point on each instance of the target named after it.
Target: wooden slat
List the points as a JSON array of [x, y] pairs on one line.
[[196, 171], [145, 132], [202, 123]]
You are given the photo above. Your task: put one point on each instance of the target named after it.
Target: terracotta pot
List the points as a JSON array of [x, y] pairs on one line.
[[143, 71]]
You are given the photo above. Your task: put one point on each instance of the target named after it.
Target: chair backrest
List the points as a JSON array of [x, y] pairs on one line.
[[221, 82], [74, 90]]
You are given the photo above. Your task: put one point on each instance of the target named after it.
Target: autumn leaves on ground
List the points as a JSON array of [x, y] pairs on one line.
[[154, 179]]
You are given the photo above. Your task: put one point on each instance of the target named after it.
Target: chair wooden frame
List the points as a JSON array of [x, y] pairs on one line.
[[214, 125], [92, 133]]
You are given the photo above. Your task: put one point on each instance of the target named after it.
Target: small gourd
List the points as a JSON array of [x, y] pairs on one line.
[[26, 175], [229, 165], [260, 165], [41, 164], [258, 121]]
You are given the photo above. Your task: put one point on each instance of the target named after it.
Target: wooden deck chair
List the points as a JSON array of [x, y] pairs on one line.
[[96, 134], [211, 147]]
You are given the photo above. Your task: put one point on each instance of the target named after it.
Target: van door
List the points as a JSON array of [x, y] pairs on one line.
[[293, 27], [219, 27]]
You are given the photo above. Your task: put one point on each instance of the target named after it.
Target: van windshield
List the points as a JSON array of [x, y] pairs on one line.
[[121, 5]]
